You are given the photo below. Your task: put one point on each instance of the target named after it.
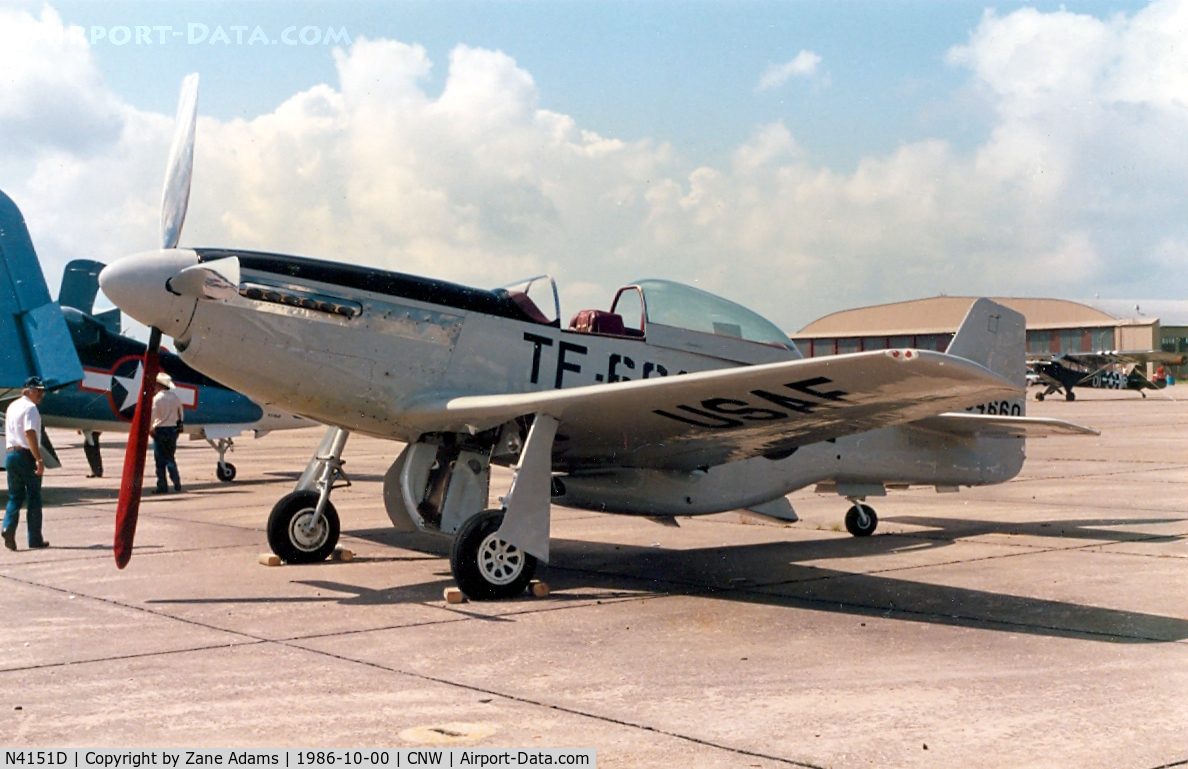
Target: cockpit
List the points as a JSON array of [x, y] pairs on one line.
[[645, 305]]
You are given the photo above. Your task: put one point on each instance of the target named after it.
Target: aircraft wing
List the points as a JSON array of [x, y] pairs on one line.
[[1100, 360], [710, 417], [1143, 357], [34, 339], [1000, 426]]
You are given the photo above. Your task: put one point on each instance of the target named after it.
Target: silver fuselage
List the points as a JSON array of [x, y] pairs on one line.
[[322, 341]]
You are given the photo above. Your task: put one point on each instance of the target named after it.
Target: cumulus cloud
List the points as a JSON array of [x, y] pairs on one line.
[[53, 96], [1077, 190], [804, 65]]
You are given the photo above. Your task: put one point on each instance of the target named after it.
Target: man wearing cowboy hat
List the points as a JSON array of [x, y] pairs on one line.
[[166, 424], [23, 463]]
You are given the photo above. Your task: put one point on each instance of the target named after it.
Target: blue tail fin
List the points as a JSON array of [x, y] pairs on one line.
[[34, 339], [80, 286]]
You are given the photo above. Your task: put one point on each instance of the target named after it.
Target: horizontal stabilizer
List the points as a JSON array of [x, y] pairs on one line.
[[1001, 426], [110, 319]]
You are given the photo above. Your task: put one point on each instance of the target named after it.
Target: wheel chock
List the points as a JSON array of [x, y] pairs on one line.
[[269, 559], [341, 554], [538, 588], [454, 595]]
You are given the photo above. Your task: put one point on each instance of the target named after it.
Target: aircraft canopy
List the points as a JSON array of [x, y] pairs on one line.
[[681, 306]]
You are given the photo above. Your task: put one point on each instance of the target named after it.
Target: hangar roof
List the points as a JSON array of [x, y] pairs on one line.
[[942, 314], [1170, 312]]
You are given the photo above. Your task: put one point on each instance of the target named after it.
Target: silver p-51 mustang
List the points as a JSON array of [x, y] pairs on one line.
[[670, 401]]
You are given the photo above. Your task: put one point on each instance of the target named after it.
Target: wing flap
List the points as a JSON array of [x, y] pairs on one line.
[[715, 416]]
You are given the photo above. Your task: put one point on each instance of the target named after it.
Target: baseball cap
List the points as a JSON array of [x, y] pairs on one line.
[[34, 383]]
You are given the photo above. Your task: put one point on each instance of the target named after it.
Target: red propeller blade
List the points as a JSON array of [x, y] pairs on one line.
[[130, 486]]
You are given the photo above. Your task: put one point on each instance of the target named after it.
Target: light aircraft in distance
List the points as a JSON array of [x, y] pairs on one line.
[[103, 395], [1098, 370], [672, 401]]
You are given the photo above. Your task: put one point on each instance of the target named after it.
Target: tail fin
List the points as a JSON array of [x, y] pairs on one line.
[[34, 339], [996, 337], [80, 286]]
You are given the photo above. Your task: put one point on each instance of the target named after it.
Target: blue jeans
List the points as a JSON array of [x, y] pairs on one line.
[[164, 448], [24, 484]]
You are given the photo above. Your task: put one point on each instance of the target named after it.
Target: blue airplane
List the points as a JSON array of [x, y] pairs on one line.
[[93, 372]]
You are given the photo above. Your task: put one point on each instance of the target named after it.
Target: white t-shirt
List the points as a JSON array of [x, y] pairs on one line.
[[167, 409], [22, 415]]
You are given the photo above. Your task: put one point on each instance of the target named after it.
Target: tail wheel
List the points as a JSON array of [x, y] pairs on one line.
[[225, 472], [295, 536], [861, 520], [485, 566]]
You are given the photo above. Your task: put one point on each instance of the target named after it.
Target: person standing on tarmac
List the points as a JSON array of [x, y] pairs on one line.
[[23, 464], [166, 424]]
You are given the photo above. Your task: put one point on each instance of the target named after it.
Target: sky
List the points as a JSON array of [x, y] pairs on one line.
[[799, 158]]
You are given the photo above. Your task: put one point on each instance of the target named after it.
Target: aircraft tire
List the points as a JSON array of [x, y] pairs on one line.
[[854, 523], [1070, 396], [225, 472], [1039, 396], [484, 566], [288, 538]]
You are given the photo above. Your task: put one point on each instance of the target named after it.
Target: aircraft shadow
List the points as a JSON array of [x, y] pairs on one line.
[[774, 574], [1099, 529]]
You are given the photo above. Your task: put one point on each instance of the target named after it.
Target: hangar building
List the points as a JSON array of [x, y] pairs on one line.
[[1053, 326]]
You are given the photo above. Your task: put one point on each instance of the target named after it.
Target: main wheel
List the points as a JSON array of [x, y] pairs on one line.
[[1070, 396], [485, 567], [861, 520], [292, 533], [1039, 396], [225, 472]]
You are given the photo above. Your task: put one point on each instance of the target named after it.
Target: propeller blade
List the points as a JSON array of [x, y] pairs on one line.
[[218, 279], [176, 196], [128, 508]]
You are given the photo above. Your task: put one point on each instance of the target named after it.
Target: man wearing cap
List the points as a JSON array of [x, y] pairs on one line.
[[166, 424], [23, 463]]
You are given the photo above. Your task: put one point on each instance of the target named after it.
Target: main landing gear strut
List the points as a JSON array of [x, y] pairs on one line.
[[440, 484], [303, 526]]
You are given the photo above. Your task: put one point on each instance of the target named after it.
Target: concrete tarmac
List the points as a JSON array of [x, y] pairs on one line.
[[1043, 622]]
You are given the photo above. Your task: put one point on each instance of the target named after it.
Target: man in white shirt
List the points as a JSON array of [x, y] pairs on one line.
[[166, 424], [23, 464]]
